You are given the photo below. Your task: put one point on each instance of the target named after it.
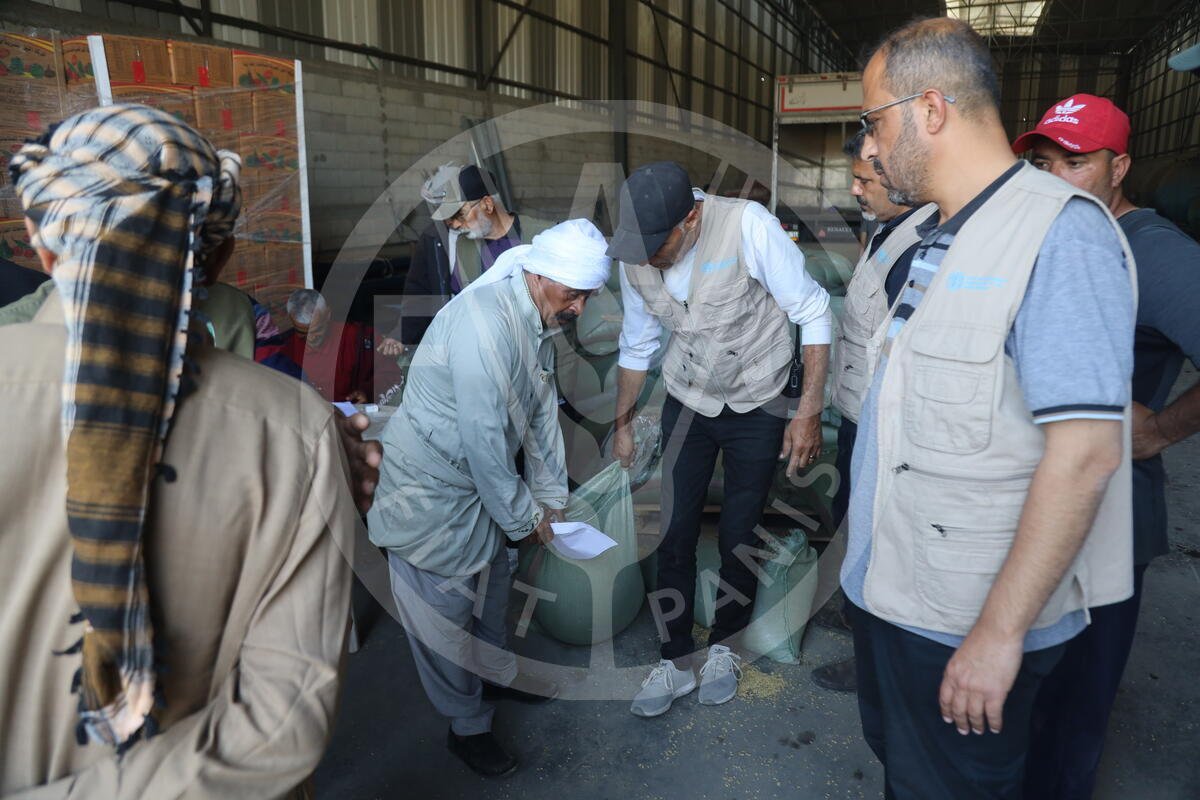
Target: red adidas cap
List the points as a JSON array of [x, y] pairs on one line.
[[1083, 123]]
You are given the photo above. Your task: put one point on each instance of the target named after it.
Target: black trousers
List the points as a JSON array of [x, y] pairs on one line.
[[749, 446], [1070, 717], [924, 758], [847, 433]]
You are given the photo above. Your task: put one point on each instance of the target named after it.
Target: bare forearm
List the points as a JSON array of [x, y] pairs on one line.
[[1066, 491], [816, 367], [629, 389], [1180, 419]]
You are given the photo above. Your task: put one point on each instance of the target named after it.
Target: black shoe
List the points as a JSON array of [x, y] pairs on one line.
[[482, 753], [840, 676], [539, 691]]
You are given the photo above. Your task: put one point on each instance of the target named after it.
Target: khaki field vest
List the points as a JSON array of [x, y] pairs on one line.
[[957, 444], [731, 343], [866, 307]]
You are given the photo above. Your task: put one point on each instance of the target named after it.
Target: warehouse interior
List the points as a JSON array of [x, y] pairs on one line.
[[389, 82], [560, 99]]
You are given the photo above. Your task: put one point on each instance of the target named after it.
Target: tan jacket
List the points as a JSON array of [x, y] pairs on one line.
[[855, 354], [731, 343], [245, 569], [957, 443]]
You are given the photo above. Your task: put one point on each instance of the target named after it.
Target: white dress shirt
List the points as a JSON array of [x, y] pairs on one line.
[[771, 258]]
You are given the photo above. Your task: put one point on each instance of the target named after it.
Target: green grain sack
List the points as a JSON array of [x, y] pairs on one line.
[[782, 603], [596, 599]]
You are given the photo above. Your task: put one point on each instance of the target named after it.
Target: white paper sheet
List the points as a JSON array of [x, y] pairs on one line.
[[347, 409], [579, 540]]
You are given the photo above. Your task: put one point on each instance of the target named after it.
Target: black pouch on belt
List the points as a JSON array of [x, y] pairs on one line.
[[795, 381]]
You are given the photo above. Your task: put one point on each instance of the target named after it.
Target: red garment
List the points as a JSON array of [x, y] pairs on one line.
[[346, 355]]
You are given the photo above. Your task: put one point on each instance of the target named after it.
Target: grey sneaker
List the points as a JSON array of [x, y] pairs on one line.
[[663, 686], [719, 676]]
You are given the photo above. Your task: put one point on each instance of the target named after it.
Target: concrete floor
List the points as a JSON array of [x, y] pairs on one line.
[[781, 738]]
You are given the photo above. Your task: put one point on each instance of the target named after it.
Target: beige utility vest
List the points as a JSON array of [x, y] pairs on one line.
[[957, 444], [731, 343], [866, 307]]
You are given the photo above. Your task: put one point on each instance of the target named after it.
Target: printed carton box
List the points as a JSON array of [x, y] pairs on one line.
[[175, 100], [200, 65], [135, 59], [14, 244]]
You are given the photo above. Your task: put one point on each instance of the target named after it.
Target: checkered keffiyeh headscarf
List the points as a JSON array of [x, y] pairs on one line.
[[130, 201]]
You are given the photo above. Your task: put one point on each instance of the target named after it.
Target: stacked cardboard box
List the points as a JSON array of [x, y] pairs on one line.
[[244, 102], [200, 65], [77, 61], [137, 59], [270, 251], [79, 78], [31, 94], [240, 101], [14, 244], [30, 81], [274, 83], [223, 116], [178, 101]]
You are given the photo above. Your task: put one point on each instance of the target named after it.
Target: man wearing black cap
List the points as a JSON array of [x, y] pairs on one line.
[[724, 278], [467, 202]]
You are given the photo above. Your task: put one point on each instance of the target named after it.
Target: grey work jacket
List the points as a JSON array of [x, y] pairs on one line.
[[481, 386]]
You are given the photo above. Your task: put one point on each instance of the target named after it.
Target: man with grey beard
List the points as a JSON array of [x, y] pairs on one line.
[[486, 228], [990, 486], [467, 201]]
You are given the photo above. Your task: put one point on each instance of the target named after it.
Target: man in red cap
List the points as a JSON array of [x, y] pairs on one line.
[[1084, 140]]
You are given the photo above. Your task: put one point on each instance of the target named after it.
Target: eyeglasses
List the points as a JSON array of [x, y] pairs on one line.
[[868, 126], [463, 210]]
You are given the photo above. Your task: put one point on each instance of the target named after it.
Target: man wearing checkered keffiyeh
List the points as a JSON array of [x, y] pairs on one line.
[[178, 510], [129, 201]]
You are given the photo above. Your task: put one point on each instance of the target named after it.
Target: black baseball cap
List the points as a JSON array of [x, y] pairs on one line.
[[472, 184], [654, 199]]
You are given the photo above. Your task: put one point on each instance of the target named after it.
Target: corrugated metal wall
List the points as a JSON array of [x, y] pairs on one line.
[[246, 9], [713, 57], [1164, 105], [1032, 82], [515, 62], [305, 16], [445, 36], [354, 21], [400, 26], [65, 5]]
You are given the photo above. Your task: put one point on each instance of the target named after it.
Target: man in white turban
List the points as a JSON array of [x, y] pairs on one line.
[[481, 387]]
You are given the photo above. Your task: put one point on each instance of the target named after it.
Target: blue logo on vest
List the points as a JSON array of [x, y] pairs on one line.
[[881, 255], [713, 266], [973, 283]]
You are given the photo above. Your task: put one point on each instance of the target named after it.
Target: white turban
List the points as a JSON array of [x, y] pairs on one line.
[[572, 253]]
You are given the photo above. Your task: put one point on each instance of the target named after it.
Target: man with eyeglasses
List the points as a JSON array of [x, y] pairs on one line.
[[990, 486], [470, 229]]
